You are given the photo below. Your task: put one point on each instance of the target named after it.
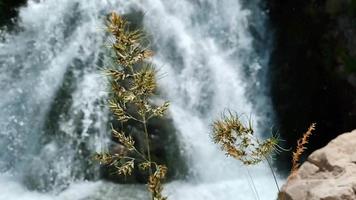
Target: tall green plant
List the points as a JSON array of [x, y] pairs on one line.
[[133, 83]]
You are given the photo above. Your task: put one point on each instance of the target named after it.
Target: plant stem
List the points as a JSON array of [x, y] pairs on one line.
[[252, 184], [147, 143], [274, 175], [147, 147]]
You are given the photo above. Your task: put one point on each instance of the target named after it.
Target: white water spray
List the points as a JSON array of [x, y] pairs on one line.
[[208, 55]]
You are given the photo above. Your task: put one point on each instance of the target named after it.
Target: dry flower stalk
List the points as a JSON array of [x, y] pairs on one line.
[[133, 83], [301, 148]]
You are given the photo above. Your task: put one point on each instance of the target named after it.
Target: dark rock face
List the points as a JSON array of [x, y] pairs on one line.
[[8, 10], [313, 69]]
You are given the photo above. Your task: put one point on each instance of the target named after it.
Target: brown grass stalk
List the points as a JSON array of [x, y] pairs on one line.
[[301, 148]]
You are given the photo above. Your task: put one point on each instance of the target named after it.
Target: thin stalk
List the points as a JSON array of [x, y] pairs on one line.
[[252, 184], [141, 154], [148, 147], [147, 143], [274, 175]]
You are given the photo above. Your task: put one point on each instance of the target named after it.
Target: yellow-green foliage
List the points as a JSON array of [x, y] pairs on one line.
[[133, 83]]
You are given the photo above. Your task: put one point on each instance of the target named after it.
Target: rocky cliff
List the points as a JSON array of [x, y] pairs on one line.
[[8, 11], [313, 69], [329, 173]]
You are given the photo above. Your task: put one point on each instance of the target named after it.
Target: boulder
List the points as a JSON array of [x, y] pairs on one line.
[[328, 174]]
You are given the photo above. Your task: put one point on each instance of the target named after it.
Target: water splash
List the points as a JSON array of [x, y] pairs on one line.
[[210, 52]]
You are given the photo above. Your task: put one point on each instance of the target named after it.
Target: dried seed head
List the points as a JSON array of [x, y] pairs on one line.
[[160, 110], [144, 83], [133, 82], [155, 182], [145, 165], [238, 140], [125, 169], [118, 111], [103, 158], [127, 141]]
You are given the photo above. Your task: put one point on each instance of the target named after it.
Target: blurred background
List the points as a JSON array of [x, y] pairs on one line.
[[285, 63]]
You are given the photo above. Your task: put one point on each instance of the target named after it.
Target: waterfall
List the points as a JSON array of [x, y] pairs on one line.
[[212, 55]]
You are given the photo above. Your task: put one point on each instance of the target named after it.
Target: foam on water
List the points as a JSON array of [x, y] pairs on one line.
[[177, 190]]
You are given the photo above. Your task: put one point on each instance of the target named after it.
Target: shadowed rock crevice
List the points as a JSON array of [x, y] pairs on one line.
[[9, 11], [313, 69]]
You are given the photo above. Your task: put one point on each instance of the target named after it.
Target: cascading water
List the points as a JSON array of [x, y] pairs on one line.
[[212, 56]]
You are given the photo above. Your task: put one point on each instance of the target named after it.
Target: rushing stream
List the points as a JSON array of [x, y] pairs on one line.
[[213, 55]]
